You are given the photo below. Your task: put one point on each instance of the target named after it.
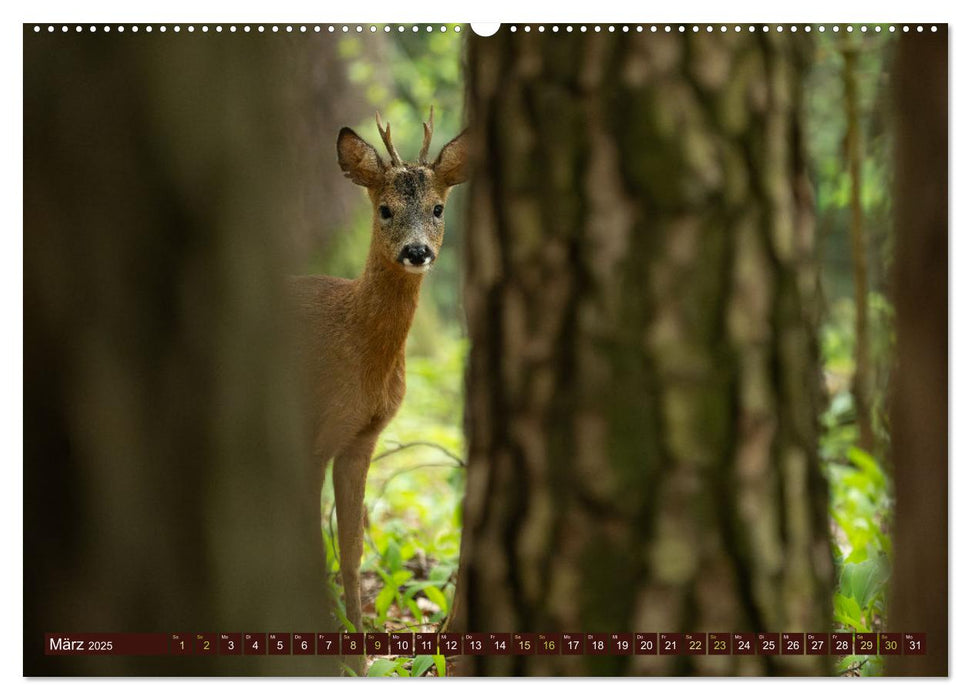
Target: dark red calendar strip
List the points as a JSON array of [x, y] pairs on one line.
[[486, 643]]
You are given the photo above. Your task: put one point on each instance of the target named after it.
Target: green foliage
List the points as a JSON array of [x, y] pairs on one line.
[[861, 499], [861, 493]]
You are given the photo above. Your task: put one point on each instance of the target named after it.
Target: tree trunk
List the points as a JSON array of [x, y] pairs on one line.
[[163, 450], [643, 384], [919, 401], [861, 288]]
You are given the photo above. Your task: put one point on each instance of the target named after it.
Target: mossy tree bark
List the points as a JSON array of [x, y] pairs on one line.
[[643, 384], [163, 442]]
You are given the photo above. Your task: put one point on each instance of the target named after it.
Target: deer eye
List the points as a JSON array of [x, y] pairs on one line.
[[385, 212], [438, 210]]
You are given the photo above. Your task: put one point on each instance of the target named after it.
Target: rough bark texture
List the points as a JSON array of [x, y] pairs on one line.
[[163, 443], [643, 384], [919, 402]]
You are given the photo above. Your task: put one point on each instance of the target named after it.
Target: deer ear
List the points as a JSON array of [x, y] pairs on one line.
[[358, 159], [450, 165]]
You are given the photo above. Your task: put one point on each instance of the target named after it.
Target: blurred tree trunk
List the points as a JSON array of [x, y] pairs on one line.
[[163, 441], [919, 402], [643, 384], [862, 373]]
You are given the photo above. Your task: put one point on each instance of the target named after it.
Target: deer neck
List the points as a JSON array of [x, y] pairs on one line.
[[385, 299]]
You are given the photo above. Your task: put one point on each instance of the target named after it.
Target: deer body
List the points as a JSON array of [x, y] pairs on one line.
[[354, 331]]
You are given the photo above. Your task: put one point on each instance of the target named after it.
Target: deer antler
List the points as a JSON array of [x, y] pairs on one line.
[[386, 137], [429, 127]]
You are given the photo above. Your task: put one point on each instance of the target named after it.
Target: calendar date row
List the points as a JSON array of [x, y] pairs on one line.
[[488, 643]]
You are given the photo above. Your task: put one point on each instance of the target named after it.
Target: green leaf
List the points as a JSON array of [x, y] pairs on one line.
[[421, 665], [868, 465], [847, 611], [384, 599], [440, 665], [393, 556], [415, 610], [437, 597], [381, 667], [402, 575], [863, 581]]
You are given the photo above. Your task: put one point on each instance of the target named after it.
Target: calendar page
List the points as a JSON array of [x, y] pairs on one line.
[[515, 349]]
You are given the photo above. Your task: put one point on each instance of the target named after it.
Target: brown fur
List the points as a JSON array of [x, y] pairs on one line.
[[355, 330]]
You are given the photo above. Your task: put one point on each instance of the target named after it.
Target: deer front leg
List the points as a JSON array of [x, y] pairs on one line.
[[350, 475]]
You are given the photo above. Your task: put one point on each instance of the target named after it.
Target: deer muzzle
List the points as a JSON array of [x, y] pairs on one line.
[[416, 257]]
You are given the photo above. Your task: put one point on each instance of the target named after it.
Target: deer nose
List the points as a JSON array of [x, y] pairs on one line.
[[416, 254]]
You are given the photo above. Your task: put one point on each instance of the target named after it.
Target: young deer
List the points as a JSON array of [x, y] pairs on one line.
[[355, 330]]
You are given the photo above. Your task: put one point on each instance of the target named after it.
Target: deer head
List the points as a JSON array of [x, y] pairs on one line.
[[408, 198]]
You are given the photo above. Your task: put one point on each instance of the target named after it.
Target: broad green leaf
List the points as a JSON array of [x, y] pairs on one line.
[[437, 597], [421, 665], [381, 667]]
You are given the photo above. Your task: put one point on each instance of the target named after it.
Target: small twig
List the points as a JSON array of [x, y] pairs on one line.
[[400, 446], [856, 667], [405, 470]]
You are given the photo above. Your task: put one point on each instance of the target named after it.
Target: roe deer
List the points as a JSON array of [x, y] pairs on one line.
[[355, 330]]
